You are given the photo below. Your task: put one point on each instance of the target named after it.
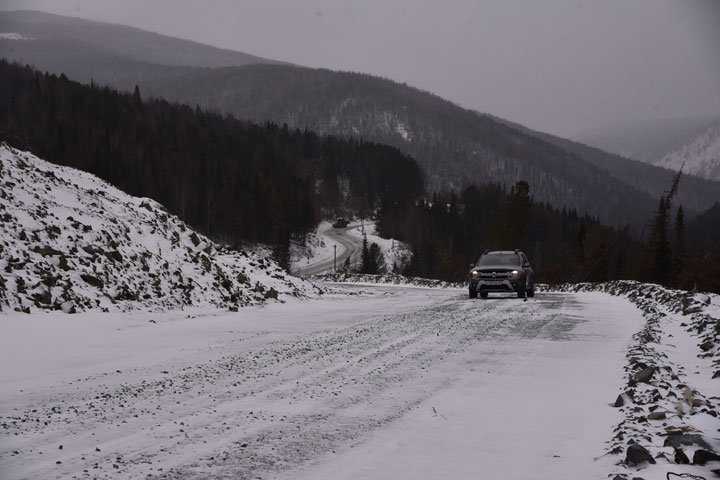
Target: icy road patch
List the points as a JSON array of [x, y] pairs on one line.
[[383, 382]]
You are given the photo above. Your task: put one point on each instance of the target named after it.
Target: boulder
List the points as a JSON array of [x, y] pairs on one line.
[[637, 455], [680, 457], [656, 416], [644, 375], [676, 440], [701, 457]]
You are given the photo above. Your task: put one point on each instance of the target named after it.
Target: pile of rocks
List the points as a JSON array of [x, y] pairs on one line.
[[71, 242]]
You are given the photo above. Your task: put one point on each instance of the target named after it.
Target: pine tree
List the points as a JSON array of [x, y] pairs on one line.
[[509, 228], [679, 251], [365, 256], [656, 259]]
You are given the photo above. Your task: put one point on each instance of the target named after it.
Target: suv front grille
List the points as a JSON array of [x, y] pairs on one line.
[[494, 274]]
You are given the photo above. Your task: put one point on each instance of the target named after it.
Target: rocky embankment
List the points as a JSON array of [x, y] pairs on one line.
[[671, 400], [71, 242], [386, 279]]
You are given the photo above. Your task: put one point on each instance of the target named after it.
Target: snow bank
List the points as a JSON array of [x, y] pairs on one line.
[[72, 242], [670, 402]]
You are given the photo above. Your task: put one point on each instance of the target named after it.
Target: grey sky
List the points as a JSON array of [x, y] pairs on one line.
[[562, 66]]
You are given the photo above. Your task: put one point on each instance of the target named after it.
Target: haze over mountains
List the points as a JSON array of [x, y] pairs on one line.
[[454, 146], [669, 143]]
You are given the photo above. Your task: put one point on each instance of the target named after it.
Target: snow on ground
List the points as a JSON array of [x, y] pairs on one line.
[[671, 398], [318, 248], [531, 408], [376, 382], [72, 242], [321, 244], [395, 252]]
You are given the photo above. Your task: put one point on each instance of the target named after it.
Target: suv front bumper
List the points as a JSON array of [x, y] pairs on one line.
[[504, 285]]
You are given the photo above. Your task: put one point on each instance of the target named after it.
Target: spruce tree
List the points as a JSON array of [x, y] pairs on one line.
[[679, 251]]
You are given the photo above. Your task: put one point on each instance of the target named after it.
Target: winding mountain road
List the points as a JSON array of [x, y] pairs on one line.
[[349, 246]]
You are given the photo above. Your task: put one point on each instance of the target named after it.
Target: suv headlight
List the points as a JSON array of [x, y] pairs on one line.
[[514, 273], [475, 273]]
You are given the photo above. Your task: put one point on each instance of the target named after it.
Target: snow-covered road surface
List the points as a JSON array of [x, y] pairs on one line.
[[348, 246], [383, 382]]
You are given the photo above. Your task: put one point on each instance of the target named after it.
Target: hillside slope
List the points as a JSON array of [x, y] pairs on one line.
[[694, 192], [700, 155], [44, 36], [71, 242]]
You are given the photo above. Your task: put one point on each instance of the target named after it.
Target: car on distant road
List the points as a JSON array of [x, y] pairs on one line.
[[502, 271], [340, 222]]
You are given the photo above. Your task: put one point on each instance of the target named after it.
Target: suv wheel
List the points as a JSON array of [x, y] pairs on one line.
[[483, 295], [473, 293]]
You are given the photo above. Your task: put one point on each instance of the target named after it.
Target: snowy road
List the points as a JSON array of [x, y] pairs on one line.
[[384, 382], [349, 246]]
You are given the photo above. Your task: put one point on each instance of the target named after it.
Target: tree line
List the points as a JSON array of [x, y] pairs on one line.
[[449, 232]]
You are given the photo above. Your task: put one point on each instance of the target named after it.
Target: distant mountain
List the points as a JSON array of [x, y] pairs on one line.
[[700, 155], [668, 143], [454, 146], [72, 242], [694, 192], [43, 37]]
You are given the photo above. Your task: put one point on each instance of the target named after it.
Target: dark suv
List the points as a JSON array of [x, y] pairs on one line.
[[502, 271]]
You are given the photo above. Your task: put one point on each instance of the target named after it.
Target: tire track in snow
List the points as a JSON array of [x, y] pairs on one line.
[[267, 409]]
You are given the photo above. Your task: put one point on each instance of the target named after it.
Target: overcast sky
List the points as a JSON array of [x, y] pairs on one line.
[[561, 66]]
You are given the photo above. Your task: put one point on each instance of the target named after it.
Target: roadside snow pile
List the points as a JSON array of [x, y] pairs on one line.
[[71, 242], [671, 403], [386, 279]]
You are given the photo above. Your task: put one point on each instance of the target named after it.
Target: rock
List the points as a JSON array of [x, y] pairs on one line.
[[644, 376], [701, 457], [94, 281], [63, 263], [194, 239], [234, 309], [680, 457], [637, 454], [678, 439], [47, 251], [656, 416], [706, 345], [272, 293], [620, 401]]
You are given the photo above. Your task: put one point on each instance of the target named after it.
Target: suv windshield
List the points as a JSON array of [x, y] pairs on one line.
[[509, 259]]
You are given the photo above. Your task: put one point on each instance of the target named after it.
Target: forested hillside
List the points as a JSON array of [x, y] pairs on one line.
[[233, 180]]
